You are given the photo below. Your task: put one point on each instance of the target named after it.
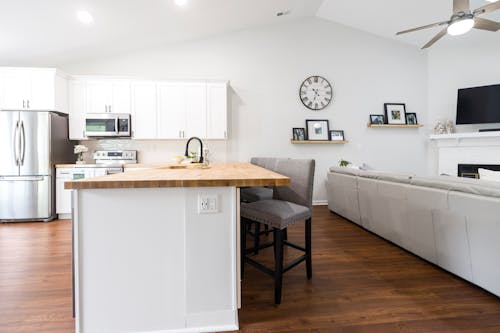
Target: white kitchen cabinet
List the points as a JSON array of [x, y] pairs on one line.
[[108, 96], [217, 102], [182, 110], [144, 110], [77, 109], [33, 89], [195, 95], [171, 110]]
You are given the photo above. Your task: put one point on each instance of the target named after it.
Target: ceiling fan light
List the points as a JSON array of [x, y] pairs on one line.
[[461, 27]]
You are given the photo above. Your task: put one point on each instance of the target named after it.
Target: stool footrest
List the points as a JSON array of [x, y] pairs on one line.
[[295, 246]]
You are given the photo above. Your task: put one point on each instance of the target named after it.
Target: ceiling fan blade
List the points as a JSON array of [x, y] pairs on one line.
[[487, 8], [423, 27], [484, 24], [461, 6], [440, 35]]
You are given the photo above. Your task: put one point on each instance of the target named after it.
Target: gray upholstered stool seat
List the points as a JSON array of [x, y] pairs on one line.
[[276, 213], [252, 194]]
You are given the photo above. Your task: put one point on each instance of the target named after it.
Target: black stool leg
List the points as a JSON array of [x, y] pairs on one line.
[[278, 265], [266, 228], [285, 234], [308, 249], [243, 245], [256, 241]]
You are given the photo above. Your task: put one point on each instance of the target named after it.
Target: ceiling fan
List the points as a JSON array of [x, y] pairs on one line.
[[462, 20]]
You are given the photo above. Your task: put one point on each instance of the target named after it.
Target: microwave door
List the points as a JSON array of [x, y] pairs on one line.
[[101, 126]]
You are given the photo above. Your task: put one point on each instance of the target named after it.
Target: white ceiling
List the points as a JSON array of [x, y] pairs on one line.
[[386, 17], [46, 32]]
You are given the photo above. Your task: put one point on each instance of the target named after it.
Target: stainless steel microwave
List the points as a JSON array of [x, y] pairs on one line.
[[107, 125]]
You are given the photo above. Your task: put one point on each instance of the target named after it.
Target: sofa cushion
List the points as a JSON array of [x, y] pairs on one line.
[[458, 184], [386, 176], [489, 175]]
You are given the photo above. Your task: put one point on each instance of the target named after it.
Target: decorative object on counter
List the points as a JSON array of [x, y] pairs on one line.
[[337, 135], [411, 118], [299, 134], [79, 150], [377, 119], [206, 162], [395, 113], [440, 128], [344, 163], [316, 93], [450, 127], [317, 129]]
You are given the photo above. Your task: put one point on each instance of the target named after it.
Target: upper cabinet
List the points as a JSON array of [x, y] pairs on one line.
[[217, 102], [33, 89], [108, 96], [170, 110]]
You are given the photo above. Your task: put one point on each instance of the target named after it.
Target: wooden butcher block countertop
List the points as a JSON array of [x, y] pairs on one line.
[[225, 174]]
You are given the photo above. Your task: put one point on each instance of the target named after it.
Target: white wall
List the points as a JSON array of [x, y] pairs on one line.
[[453, 67], [266, 67]]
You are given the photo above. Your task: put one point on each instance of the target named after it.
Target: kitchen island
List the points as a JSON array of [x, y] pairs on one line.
[[158, 250]]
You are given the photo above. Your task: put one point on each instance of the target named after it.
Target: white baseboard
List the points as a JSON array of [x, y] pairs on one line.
[[320, 202]]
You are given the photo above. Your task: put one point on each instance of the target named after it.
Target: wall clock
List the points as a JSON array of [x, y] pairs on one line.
[[316, 93]]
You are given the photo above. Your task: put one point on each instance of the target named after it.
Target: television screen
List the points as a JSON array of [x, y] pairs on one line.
[[479, 105]]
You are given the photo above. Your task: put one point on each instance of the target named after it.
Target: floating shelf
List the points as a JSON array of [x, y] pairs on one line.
[[395, 126], [305, 142]]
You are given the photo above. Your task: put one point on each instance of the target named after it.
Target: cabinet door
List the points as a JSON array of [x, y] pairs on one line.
[[99, 96], [77, 107], [120, 97], [41, 90], [63, 197], [217, 110], [196, 110], [144, 110], [171, 111], [15, 88]]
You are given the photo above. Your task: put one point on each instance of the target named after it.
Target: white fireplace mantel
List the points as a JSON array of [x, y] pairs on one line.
[[466, 148]]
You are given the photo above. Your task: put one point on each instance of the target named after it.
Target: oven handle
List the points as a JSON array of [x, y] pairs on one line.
[[116, 125]]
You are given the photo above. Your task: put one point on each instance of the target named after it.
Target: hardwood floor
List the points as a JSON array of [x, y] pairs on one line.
[[360, 283]]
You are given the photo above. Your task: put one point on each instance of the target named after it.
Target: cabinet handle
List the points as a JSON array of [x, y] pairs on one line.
[[83, 133], [24, 104], [110, 108], [105, 108], [225, 134], [28, 103], [180, 134]]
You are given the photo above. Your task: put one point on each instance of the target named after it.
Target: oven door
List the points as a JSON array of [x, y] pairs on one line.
[[107, 125]]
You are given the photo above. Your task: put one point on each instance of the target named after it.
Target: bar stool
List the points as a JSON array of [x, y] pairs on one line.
[[290, 205]]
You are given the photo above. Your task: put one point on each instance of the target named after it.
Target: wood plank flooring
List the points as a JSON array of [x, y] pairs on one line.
[[360, 283]]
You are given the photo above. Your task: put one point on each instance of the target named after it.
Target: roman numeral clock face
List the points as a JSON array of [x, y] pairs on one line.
[[316, 93]]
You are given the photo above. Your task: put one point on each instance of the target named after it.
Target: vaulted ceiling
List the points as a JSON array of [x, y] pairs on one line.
[[35, 32]]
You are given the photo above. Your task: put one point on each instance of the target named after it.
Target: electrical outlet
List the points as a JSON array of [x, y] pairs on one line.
[[207, 204]]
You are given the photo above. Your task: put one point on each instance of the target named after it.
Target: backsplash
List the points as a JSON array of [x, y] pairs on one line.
[[156, 151]]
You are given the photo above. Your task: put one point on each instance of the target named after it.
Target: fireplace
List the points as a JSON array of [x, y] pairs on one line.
[[470, 170]]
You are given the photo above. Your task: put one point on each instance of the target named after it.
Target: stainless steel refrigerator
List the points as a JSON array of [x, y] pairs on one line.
[[31, 143]]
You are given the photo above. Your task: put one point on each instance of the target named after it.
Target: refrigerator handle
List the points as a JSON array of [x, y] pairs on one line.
[[23, 140], [16, 143]]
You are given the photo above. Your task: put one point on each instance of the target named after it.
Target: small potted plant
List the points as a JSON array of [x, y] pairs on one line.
[[344, 163], [79, 150]]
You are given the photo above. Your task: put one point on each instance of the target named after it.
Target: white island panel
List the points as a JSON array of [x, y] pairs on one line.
[[147, 261]]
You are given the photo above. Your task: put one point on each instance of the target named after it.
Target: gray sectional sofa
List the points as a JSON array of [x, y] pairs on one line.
[[449, 221]]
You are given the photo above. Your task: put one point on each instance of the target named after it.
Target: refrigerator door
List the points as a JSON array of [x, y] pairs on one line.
[[35, 143], [9, 143], [25, 198]]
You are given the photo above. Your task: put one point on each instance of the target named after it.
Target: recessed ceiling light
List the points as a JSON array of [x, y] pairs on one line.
[[181, 2], [84, 17]]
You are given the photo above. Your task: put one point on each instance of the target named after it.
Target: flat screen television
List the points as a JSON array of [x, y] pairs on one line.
[[479, 105]]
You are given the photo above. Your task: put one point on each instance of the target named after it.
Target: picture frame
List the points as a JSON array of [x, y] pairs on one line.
[[377, 119], [337, 135], [395, 113], [411, 118], [299, 134], [317, 129]]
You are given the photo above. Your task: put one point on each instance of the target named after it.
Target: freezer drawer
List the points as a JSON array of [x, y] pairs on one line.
[[26, 198]]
